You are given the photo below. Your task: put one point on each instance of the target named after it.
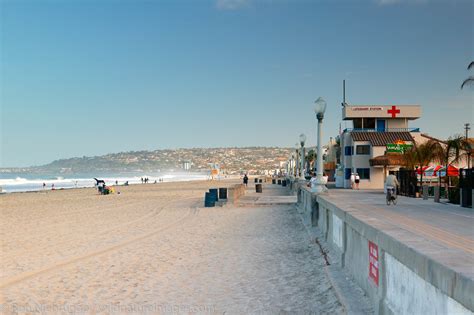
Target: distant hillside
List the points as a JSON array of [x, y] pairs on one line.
[[232, 160]]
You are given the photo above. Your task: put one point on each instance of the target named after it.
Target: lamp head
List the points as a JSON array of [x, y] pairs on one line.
[[302, 139], [320, 106]]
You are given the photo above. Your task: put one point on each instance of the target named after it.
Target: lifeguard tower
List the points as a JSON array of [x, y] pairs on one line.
[[374, 144]]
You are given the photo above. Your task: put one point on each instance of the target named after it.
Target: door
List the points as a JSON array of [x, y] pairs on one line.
[[380, 125]]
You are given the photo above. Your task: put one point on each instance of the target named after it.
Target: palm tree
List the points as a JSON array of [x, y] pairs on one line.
[[422, 154], [456, 150], [310, 158], [470, 80], [409, 159]]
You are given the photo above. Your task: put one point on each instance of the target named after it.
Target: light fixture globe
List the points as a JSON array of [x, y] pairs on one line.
[[302, 139], [320, 106]]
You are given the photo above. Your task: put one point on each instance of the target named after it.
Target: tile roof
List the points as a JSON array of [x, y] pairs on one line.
[[379, 139]]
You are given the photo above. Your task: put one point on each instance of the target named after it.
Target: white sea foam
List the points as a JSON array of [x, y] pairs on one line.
[[21, 184]]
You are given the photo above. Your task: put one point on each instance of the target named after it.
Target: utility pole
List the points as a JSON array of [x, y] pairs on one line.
[[467, 128], [343, 93]]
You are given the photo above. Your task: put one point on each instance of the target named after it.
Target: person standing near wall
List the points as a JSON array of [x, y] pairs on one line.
[[313, 182], [357, 180], [246, 180]]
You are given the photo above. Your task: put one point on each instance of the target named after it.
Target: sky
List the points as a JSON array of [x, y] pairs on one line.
[[91, 77]]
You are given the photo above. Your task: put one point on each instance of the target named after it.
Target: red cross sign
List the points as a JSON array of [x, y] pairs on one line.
[[394, 111]]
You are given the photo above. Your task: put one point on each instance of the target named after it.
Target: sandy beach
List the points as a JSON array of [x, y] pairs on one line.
[[155, 249]]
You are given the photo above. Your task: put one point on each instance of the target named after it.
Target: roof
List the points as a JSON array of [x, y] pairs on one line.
[[390, 159], [386, 111], [381, 139]]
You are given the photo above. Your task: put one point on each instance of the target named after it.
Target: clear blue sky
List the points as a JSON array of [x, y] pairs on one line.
[[94, 77]]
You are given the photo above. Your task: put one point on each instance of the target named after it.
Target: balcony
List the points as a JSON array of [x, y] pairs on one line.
[[382, 130]]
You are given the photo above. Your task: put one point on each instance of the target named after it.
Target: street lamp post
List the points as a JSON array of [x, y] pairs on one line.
[[302, 141], [297, 165], [319, 109], [288, 167], [292, 164]]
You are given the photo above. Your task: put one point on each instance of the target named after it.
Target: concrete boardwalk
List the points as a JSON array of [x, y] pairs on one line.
[[443, 232]]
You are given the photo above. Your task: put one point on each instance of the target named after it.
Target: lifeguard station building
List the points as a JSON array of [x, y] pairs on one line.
[[370, 147]]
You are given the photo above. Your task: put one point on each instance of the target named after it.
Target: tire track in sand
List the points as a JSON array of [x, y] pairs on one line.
[[191, 210], [100, 233]]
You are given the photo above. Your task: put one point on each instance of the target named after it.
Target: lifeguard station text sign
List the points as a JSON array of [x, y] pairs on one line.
[[381, 111]]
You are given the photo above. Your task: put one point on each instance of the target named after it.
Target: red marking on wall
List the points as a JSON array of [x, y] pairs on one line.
[[374, 263], [394, 111]]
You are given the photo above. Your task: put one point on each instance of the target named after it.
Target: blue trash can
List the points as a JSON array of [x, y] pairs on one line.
[[209, 200], [214, 193]]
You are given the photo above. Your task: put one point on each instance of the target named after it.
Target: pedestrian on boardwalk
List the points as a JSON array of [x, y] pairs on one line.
[[352, 180], [357, 180], [246, 180], [313, 181]]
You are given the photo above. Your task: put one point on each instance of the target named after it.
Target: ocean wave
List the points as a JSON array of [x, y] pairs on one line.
[[19, 184]]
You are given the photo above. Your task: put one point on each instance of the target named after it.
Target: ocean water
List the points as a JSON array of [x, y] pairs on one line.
[[21, 182]]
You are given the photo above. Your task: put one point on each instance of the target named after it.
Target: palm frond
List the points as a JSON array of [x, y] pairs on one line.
[[468, 81], [471, 65]]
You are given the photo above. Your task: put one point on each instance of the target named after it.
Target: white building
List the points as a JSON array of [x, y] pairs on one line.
[[364, 146], [187, 165]]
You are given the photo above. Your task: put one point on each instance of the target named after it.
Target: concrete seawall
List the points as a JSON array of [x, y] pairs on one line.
[[385, 263]]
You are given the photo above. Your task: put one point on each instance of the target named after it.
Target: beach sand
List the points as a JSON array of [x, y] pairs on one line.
[[155, 249]]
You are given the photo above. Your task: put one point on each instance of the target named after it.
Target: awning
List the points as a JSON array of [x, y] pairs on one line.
[[438, 170], [426, 169], [389, 159], [452, 171]]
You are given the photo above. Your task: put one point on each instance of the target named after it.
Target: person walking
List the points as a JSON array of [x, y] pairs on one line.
[[246, 180], [352, 180], [357, 180], [313, 182]]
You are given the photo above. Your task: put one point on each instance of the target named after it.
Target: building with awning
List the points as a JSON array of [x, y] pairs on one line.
[[376, 141]]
